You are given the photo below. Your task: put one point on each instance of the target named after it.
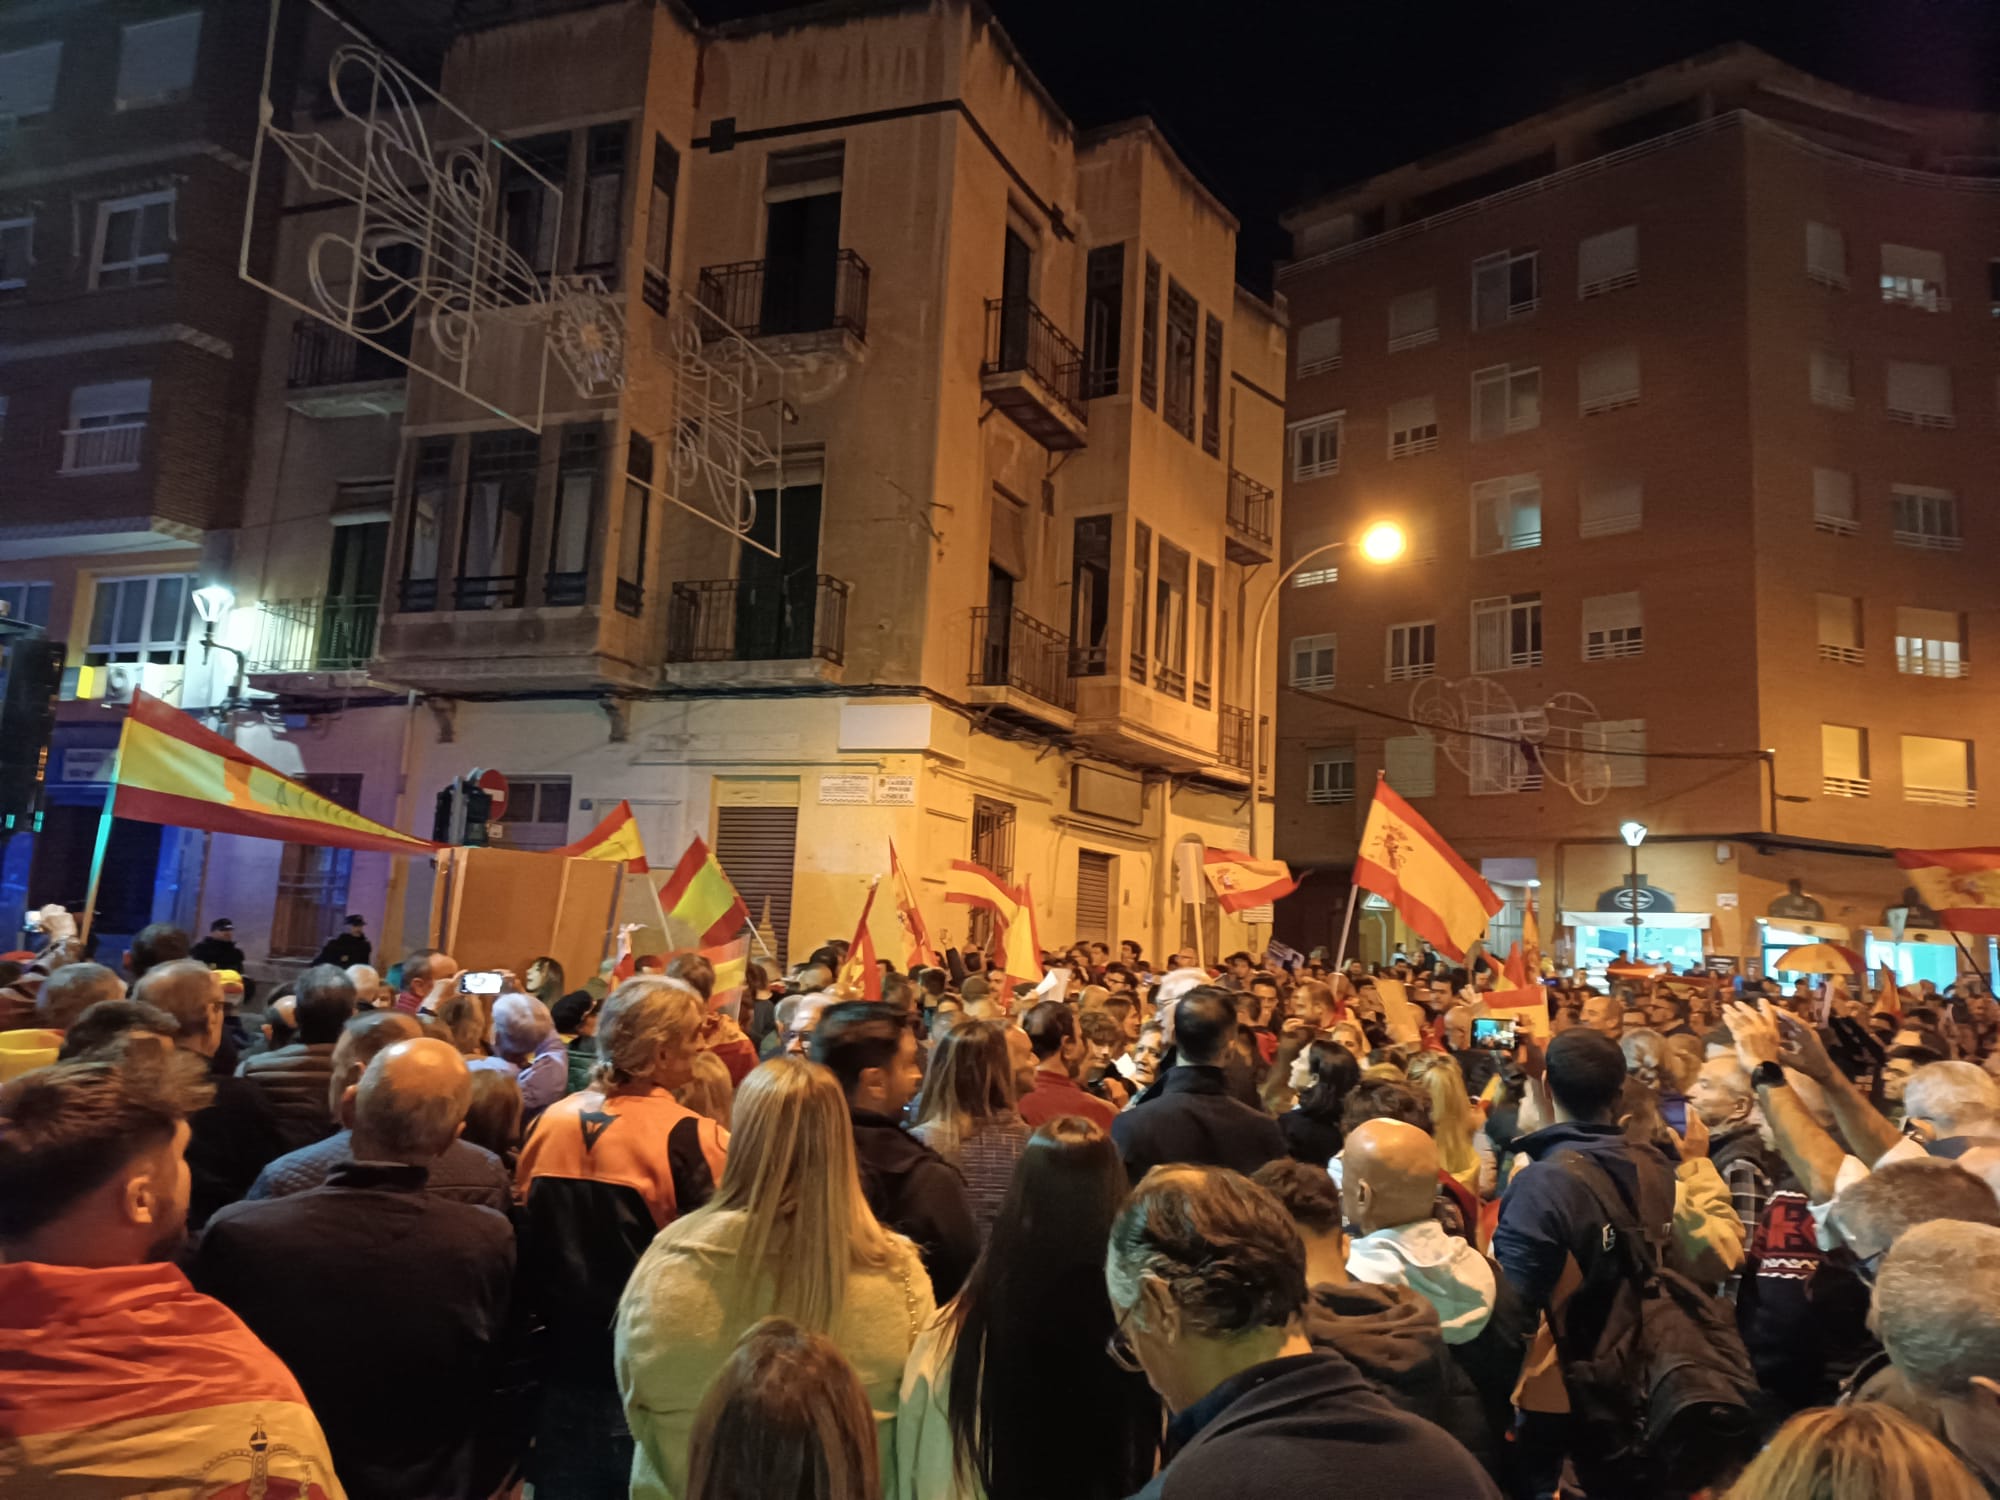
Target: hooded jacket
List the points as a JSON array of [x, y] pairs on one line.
[[1452, 1276], [917, 1193], [1548, 1218]]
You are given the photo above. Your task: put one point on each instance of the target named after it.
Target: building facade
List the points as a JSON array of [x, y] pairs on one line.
[[1686, 395]]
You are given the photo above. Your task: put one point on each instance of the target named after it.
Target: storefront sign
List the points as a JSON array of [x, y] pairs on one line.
[[1643, 898], [87, 763]]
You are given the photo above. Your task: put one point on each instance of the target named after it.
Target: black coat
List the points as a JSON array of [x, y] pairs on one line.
[[1193, 1119], [918, 1193], [1309, 1139], [218, 953], [346, 949], [230, 1140], [295, 1080]]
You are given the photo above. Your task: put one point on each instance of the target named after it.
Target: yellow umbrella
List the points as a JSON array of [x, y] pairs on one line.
[[1821, 958]]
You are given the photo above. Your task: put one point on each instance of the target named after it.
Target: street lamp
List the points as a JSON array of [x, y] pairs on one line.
[[1383, 542], [213, 602], [1634, 834]]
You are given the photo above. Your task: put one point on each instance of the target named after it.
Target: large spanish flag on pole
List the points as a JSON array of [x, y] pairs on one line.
[[699, 899], [616, 838], [1240, 882], [172, 770], [1403, 860], [911, 915], [1961, 885]]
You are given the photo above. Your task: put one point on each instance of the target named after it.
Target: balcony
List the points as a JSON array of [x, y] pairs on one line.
[[333, 374], [103, 447], [1022, 666], [1232, 738], [1852, 787], [1034, 373], [808, 306], [725, 630], [1251, 508], [313, 644]]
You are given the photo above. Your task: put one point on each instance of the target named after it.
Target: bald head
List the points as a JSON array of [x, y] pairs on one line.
[[1389, 1175], [362, 1040], [411, 1102]]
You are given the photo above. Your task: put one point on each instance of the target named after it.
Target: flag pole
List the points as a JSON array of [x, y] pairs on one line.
[[1959, 938], [1346, 927], [89, 914]]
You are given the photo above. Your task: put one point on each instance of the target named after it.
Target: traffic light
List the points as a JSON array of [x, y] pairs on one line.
[[34, 668], [478, 810]]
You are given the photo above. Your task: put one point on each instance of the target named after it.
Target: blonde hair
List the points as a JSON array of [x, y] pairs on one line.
[[1854, 1453], [1452, 1124], [791, 1174], [971, 1076], [710, 1091], [641, 1016]]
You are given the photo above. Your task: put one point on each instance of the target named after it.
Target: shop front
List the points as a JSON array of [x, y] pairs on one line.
[[1660, 934]]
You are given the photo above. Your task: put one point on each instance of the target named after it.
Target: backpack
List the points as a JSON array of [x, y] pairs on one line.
[[1657, 1374]]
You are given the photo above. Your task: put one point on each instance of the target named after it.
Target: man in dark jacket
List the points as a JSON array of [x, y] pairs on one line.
[[218, 950], [1207, 1280], [346, 949], [389, 1305], [1192, 1118], [294, 1078], [912, 1189]]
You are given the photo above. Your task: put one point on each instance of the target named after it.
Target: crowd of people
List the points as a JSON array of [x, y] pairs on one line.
[[1172, 1231]]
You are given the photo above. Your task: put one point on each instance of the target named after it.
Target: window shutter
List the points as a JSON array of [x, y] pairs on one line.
[[1413, 319], [1826, 253], [1413, 425], [1934, 765], [1608, 380], [1612, 626], [1605, 262], [1920, 390], [1915, 265], [1319, 346], [1411, 763], [757, 846], [1093, 896], [116, 398], [156, 59], [1833, 499], [1009, 544], [28, 80], [1610, 507], [805, 174], [1840, 753], [1623, 742], [1832, 378], [1839, 622]]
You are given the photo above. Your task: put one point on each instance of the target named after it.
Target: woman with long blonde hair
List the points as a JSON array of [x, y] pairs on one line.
[[1858, 1452], [1455, 1124], [966, 1114], [787, 1233]]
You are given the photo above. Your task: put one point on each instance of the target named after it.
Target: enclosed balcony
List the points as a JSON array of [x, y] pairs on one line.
[[722, 630], [1034, 373], [1252, 508], [313, 645], [334, 375], [805, 303], [1021, 666]]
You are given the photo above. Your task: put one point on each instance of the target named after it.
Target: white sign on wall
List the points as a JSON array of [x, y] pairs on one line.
[[846, 790], [895, 791]]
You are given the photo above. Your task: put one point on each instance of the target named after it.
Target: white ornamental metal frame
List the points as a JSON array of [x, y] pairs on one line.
[[1488, 738]]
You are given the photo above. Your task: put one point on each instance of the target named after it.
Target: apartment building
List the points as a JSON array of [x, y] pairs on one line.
[[1025, 435], [1686, 394]]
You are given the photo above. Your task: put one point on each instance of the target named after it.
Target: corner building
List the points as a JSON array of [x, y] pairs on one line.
[[1686, 396]]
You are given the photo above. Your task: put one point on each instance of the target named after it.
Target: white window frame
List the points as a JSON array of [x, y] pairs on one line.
[[1330, 776], [1926, 519], [84, 453], [1595, 518], [1623, 392], [1506, 495], [41, 104], [1614, 626], [1624, 270], [1904, 283], [1313, 647], [1310, 434], [1323, 359], [1507, 607], [1408, 635], [8, 226], [1923, 653], [1499, 762], [1828, 516], [27, 599], [1820, 267], [136, 203], [1847, 777], [1309, 578], [1824, 394], [154, 36], [1503, 262], [155, 651], [1914, 416], [1413, 338], [1940, 796], [1506, 377], [1413, 427]]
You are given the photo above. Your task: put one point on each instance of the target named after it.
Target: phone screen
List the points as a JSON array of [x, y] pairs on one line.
[[1493, 1034], [480, 982]]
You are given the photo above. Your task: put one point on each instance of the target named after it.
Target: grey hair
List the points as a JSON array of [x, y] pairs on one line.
[[182, 987], [1881, 1208], [1952, 1096], [72, 990], [365, 979], [521, 1023], [1937, 1305], [641, 1016], [1230, 1255]]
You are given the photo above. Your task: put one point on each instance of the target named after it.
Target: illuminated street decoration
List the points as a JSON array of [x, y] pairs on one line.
[[1501, 747]]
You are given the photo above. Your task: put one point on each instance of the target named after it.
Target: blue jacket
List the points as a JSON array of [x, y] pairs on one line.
[[1548, 1218]]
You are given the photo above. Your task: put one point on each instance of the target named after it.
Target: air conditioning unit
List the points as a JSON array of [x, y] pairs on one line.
[[119, 682]]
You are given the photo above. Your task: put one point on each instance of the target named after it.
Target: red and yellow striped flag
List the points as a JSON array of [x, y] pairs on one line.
[[616, 838], [698, 899], [1961, 885], [1403, 860]]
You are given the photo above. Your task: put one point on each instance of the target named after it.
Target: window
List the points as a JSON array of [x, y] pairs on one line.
[[1204, 633], [1330, 776], [312, 879], [1993, 287], [633, 525], [1149, 337], [1307, 578], [1506, 514], [1316, 446], [1920, 394], [1413, 651], [1090, 596], [107, 426], [1833, 502], [1142, 598], [156, 60], [17, 253], [1410, 763], [1607, 262], [1826, 255], [430, 493], [537, 813], [1318, 347], [1315, 659], [1607, 380], [1914, 278], [1622, 743], [579, 482], [1843, 760], [26, 603], [135, 236], [1930, 643], [1413, 427], [660, 223], [139, 620], [1610, 507], [1178, 408], [1505, 286], [1103, 319], [1840, 629], [529, 220], [600, 240], [1170, 621], [1936, 772], [1211, 386], [1614, 625], [1501, 762], [28, 80], [499, 518], [1832, 380], [1507, 633], [1413, 320], [1095, 882], [1506, 399], [1925, 518]]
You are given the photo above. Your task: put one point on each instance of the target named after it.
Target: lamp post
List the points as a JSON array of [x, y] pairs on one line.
[[1634, 835], [1381, 543], [213, 603]]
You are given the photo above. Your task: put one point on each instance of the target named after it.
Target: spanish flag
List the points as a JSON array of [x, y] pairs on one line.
[[1403, 860], [699, 899], [1961, 885], [922, 954], [616, 838], [1240, 882], [861, 976], [172, 770]]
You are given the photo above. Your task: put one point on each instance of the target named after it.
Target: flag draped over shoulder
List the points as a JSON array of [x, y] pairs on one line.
[[1961, 885], [1403, 860], [616, 838], [698, 899], [1240, 882], [173, 770]]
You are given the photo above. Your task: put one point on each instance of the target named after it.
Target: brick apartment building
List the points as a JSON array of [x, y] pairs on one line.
[[1686, 395]]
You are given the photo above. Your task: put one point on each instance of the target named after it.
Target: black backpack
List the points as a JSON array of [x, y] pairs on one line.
[[1657, 1375]]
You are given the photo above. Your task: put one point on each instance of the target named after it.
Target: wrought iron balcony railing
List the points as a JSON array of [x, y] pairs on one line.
[[767, 298], [1019, 336], [315, 635], [731, 619], [1012, 649], [323, 355]]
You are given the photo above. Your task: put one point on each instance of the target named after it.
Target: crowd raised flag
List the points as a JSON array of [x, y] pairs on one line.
[[1961, 885], [861, 976], [1402, 860], [916, 935], [702, 907], [1241, 882]]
